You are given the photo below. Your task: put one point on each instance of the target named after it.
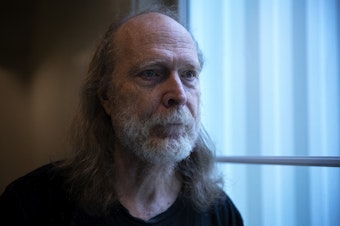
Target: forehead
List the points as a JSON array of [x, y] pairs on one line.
[[154, 33]]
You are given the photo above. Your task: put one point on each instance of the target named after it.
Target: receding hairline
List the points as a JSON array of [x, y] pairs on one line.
[[139, 17], [163, 12], [153, 22], [158, 9]]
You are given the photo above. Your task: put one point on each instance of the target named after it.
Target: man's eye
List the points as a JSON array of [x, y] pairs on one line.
[[189, 74], [149, 74]]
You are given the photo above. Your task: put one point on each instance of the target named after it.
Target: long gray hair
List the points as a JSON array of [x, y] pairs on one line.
[[90, 168]]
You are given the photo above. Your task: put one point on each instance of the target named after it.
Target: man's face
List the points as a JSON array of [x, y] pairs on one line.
[[154, 97]]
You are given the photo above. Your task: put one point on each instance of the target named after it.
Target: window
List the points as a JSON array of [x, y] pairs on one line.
[[271, 87]]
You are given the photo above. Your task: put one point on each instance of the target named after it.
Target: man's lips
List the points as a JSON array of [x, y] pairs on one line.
[[170, 130]]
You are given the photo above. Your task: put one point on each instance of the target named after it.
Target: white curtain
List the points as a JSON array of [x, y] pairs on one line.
[[271, 86]]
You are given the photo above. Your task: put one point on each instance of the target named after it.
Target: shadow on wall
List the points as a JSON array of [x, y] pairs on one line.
[[45, 47]]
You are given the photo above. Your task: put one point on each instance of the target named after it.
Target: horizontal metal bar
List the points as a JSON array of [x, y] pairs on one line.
[[325, 161]]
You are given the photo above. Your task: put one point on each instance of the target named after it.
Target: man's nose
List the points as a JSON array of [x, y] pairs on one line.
[[175, 94]]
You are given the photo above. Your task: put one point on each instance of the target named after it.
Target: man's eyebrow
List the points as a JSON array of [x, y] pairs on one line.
[[151, 62], [145, 64], [158, 62]]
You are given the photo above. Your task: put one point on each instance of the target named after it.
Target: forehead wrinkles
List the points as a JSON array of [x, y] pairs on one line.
[[167, 39]]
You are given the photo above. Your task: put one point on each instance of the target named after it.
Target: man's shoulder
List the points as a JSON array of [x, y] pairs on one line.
[[225, 211], [42, 177], [38, 196], [42, 186], [224, 201]]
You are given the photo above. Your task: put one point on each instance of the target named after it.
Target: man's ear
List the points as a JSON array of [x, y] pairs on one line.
[[105, 101]]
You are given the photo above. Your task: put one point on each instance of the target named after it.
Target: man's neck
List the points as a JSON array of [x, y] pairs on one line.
[[145, 190]]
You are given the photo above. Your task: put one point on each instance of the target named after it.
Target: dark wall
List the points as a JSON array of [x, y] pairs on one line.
[[45, 47]]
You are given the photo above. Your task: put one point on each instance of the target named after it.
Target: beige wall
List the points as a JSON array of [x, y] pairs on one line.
[[45, 47], [44, 51]]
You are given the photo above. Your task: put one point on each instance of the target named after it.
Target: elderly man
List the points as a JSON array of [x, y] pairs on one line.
[[141, 156]]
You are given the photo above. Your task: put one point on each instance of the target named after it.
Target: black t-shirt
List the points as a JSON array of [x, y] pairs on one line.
[[38, 198]]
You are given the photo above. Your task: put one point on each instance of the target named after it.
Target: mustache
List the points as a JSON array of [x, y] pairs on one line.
[[178, 116]]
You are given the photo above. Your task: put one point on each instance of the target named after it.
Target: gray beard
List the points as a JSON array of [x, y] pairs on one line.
[[156, 140]]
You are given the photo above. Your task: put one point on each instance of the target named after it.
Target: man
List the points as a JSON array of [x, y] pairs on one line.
[[141, 155]]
